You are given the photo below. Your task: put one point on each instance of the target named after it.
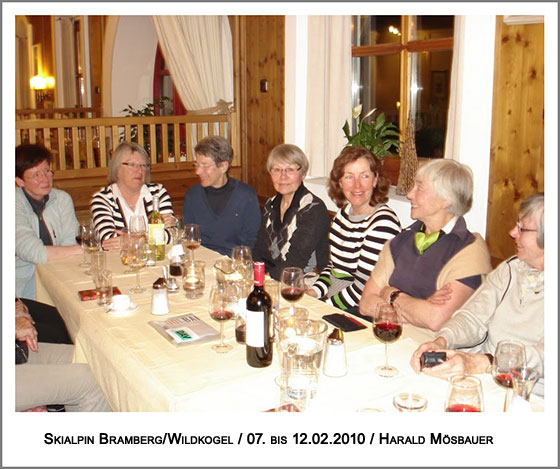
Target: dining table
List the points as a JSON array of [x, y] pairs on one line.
[[139, 370]]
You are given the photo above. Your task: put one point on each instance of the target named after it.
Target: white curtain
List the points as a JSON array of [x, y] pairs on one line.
[[329, 90], [198, 52], [453, 134]]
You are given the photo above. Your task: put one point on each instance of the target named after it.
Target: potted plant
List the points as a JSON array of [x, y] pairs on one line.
[[379, 136]]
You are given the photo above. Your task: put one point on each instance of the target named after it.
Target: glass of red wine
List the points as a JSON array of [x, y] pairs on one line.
[[387, 327], [464, 394], [191, 238], [508, 354], [223, 301], [292, 285]]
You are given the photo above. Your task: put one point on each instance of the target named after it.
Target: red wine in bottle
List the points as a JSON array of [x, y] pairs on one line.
[[258, 337]]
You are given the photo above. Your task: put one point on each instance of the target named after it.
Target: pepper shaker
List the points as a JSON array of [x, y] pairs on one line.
[[159, 297], [335, 355]]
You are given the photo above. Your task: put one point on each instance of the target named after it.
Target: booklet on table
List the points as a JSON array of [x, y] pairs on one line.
[[185, 329]]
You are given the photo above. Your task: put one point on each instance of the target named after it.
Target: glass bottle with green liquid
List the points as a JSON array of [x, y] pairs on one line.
[[156, 231]]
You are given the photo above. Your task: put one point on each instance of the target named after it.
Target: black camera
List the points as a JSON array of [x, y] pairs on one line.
[[429, 359]]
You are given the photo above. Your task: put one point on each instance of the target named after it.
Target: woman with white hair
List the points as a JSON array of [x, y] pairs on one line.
[[508, 306], [431, 268], [129, 192]]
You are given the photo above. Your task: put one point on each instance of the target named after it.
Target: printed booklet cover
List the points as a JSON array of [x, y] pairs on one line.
[[185, 329]]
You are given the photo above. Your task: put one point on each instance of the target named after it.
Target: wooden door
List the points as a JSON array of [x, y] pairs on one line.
[[517, 147], [261, 96]]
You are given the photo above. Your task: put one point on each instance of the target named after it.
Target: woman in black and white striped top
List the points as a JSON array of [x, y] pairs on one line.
[[358, 231], [129, 193]]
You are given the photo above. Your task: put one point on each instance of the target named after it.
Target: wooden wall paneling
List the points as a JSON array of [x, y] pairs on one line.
[[262, 52], [517, 144], [96, 27]]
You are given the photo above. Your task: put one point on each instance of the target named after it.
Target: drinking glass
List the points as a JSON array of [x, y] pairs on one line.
[[464, 394], [410, 402], [524, 379], [124, 240], [98, 261], [137, 225], [82, 234], [90, 244], [193, 279], [508, 354], [191, 238], [137, 257], [292, 285], [387, 327], [103, 281], [243, 265], [223, 301]]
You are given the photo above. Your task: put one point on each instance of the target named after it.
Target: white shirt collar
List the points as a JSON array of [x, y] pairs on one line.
[[450, 225]]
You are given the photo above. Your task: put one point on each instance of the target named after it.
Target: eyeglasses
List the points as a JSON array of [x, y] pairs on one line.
[[48, 173], [523, 230], [290, 171], [204, 166], [132, 166]]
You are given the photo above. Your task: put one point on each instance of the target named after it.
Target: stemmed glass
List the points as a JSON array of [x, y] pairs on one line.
[[464, 394], [137, 257], [387, 327], [243, 264], [191, 238], [90, 243], [292, 285], [137, 225], [223, 301], [508, 354], [124, 240], [82, 233]]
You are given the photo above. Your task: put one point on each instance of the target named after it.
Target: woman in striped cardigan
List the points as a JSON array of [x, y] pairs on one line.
[[129, 193], [359, 229]]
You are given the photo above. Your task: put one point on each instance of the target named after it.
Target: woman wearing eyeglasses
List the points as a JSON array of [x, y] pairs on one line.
[[129, 193], [46, 224], [295, 225]]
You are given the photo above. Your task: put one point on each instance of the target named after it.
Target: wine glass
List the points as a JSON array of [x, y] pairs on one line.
[[464, 394], [82, 233], [191, 238], [292, 285], [124, 241], [223, 301], [137, 225], [136, 258], [387, 327], [243, 264], [508, 355], [90, 244]]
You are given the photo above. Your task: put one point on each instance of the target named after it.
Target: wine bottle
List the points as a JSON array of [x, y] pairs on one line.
[[156, 231], [258, 320]]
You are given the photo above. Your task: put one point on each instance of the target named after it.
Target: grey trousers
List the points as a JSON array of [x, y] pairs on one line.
[[50, 377]]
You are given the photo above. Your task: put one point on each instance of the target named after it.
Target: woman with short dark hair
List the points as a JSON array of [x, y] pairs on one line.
[[359, 230]]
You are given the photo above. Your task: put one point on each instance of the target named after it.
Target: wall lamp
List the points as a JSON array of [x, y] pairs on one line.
[[42, 86]]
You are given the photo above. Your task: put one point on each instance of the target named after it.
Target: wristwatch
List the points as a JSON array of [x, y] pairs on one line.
[[393, 296]]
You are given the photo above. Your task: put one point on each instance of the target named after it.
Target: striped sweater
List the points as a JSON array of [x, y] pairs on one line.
[[108, 214], [354, 249]]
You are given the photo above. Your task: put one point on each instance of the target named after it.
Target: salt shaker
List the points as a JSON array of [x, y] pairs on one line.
[[335, 355], [159, 297]]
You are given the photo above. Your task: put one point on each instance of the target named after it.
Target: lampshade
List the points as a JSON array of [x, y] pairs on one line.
[[38, 83]]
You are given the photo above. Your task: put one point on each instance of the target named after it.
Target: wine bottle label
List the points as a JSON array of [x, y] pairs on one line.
[[254, 328], [156, 233]]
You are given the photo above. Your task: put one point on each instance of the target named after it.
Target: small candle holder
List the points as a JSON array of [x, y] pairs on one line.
[[193, 279]]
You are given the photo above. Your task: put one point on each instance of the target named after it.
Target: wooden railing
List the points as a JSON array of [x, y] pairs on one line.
[[58, 113], [82, 149]]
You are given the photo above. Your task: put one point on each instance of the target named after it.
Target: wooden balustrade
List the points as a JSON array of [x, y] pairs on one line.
[[58, 113], [82, 149]]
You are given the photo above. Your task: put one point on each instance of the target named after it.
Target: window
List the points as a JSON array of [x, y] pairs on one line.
[[163, 87], [401, 66]]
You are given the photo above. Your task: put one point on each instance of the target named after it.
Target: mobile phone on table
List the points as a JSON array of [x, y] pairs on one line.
[[346, 323]]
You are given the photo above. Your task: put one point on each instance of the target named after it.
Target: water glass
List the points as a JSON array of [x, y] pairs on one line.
[[193, 279], [98, 261], [103, 280], [410, 402]]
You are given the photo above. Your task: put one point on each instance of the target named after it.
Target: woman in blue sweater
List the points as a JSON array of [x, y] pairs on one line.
[[226, 210]]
